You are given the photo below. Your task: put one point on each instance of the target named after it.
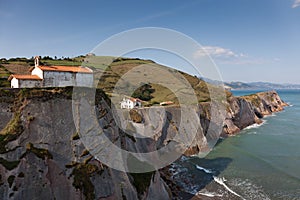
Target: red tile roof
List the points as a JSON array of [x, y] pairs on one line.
[[135, 99], [66, 69], [24, 77], [166, 103]]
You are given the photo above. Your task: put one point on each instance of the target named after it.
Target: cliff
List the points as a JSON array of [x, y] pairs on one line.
[[247, 110], [42, 155]]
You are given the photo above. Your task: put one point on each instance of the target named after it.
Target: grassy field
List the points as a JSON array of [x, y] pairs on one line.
[[61, 62], [4, 74], [131, 68], [109, 70]]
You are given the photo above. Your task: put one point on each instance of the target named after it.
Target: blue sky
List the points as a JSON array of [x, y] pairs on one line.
[[249, 40]]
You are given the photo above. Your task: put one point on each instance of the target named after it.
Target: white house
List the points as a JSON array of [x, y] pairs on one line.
[[25, 81], [53, 76], [129, 103]]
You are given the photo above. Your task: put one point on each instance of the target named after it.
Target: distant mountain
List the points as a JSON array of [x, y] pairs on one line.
[[261, 85], [238, 85]]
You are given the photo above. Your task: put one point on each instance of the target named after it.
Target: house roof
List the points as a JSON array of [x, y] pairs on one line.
[[167, 103], [135, 99], [24, 77], [132, 99], [66, 69]]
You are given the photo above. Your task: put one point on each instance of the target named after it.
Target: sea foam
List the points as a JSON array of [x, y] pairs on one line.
[[208, 194], [256, 125], [208, 171], [221, 181]]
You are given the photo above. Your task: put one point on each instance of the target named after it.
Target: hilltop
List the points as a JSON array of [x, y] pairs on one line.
[[260, 86], [109, 70], [239, 85]]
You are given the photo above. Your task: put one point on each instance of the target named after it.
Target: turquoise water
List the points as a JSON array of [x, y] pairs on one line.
[[262, 162]]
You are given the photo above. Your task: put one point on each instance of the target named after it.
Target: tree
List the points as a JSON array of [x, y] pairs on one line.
[[144, 92]]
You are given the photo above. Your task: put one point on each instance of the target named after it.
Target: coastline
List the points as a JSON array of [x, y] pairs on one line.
[[32, 141], [209, 176]]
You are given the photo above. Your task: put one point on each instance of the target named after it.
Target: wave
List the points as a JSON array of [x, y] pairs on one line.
[[209, 194], [272, 115], [249, 189], [208, 171], [256, 125], [222, 181], [252, 133]]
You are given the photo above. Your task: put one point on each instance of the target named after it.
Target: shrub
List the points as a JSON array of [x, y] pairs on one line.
[[9, 165]]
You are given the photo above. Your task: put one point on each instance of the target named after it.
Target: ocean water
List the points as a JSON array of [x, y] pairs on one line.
[[262, 162]]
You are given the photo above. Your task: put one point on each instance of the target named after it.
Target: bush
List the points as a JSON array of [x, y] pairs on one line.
[[9, 165], [144, 92], [82, 173], [41, 153]]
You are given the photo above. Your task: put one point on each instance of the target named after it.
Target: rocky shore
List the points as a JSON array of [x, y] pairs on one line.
[[247, 110], [42, 156]]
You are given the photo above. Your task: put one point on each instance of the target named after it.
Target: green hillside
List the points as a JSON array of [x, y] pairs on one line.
[[109, 70]]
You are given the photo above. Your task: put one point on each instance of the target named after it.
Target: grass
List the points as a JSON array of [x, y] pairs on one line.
[[44, 94], [4, 83], [14, 127], [84, 153], [11, 180], [21, 62], [17, 67], [4, 74], [110, 70], [11, 132], [75, 136], [98, 62], [21, 175], [9, 165], [41, 153], [162, 93], [81, 181], [141, 181], [254, 99], [61, 62], [268, 97], [106, 62], [135, 61], [117, 69], [7, 96]]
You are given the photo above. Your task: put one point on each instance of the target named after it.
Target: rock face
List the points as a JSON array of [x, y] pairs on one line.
[[42, 155], [248, 110]]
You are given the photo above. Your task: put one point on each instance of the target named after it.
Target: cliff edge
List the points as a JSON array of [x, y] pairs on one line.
[[250, 109], [42, 155]]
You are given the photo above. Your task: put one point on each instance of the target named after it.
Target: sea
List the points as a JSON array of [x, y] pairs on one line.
[[261, 162]]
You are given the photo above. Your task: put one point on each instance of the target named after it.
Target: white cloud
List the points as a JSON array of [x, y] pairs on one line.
[[228, 57], [214, 51], [296, 4], [244, 61]]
